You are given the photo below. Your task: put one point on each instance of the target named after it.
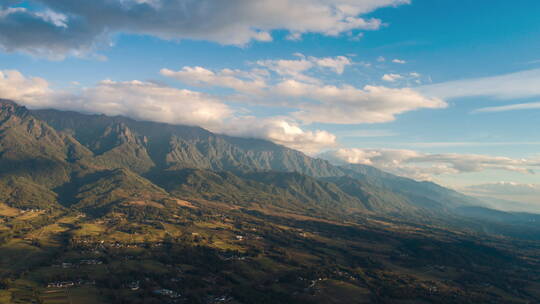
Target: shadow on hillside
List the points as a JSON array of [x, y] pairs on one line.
[[41, 170], [67, 193]]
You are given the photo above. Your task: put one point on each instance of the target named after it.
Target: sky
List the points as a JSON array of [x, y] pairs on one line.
[[440, 90]]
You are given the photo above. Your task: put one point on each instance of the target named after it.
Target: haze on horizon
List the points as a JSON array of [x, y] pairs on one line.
[[446, 91]]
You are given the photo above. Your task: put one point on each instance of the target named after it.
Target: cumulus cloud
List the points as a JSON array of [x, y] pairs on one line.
[[424, 166], [153, 102], [296, 69], [67, 26], [399, 61], [350, 105], [337, 64], [15, 86], [136, 99], [286, 83], [248, 82], [149, 101], [514, 85], [391, 77], [283, 131]]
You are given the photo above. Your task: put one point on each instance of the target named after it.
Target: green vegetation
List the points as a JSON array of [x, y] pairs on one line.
[[95, 209]]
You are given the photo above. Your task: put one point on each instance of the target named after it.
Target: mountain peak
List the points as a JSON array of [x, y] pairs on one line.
[[9, 108], [7, 101]]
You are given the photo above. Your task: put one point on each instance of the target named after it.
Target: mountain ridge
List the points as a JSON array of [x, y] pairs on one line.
[[76, 145]]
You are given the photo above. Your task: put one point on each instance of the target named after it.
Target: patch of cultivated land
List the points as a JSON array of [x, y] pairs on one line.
[[254, 256]]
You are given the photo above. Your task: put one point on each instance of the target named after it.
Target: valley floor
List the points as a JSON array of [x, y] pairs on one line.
[[211, 252]]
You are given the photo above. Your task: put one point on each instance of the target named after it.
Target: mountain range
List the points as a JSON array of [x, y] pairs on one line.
[[91, 179], [52, 149], [52, 157]]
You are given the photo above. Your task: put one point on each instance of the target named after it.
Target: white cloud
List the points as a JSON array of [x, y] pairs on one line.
[[135, 99], [282, 131], [286, 84], [153, 102], [66, 26], [11, 10], [149, 101], [391, 77], [515, 85], [349, 105], [53, 17], [248, 82], [296, 69], [425, 166], [468, 144], [399, 61], [337, 64], [515, 196], [15, 86], [511, 188], [512, 107]]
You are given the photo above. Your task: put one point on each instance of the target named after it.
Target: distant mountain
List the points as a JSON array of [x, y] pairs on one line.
[[419, 193], [97, 163], [508, 196], [164, 146], [507, 205]]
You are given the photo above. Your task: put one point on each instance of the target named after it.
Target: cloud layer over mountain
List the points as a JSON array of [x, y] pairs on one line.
[[424, 166], [150, 101]]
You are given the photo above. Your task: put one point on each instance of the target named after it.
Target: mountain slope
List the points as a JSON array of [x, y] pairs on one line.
[[31, 149], [177, 147], [22, 193], [59, 150], [285, 190], [107, 189]]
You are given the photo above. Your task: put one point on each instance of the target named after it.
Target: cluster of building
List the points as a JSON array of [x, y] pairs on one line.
[[167, 293], [67, 284], [219, 299], [64, 284], [66, 265]]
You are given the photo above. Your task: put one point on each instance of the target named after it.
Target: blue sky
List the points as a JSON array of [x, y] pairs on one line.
[[414, 55]]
